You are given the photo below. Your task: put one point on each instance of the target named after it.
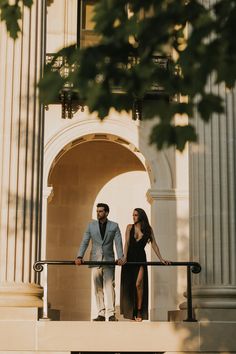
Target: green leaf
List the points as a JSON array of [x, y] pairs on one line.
[[183, 135], [11, 14], [28, 3], [165, 135], [55, 82], [210, 104], [3, 3]]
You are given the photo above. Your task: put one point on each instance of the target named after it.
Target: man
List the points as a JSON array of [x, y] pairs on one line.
[[103, 233]]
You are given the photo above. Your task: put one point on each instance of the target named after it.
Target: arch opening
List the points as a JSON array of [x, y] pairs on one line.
[[90, 171]]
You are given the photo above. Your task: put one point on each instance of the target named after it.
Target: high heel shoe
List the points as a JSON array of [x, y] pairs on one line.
[[139, 316]]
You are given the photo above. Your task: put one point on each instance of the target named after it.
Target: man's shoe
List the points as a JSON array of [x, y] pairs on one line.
[[112, 318], [99, 318]]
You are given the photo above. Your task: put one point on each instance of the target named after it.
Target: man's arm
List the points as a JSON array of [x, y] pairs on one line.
[[83, 246], [119, 246]]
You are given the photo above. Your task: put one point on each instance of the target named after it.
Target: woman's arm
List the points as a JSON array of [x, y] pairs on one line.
[[157, 250], [127, 237]]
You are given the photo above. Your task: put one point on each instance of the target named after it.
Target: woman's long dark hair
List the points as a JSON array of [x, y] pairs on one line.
[[145, 226]]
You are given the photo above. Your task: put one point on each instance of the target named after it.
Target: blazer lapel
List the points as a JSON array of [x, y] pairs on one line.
[[107, 229], [98, 230]]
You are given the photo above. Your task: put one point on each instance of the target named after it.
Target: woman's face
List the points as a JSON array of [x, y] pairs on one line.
[[135, 216]]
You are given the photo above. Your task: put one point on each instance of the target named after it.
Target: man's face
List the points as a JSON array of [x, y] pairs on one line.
[[101, 214]]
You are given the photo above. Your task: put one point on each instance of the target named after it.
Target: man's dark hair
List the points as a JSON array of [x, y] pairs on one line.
[[105, 206]]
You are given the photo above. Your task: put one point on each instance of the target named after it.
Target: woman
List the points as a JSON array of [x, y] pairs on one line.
[[134, 279]]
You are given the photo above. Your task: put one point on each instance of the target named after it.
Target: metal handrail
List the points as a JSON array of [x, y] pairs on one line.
[[193, 267]]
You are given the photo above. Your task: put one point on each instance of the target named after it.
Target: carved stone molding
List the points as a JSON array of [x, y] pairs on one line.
[[166, 194]]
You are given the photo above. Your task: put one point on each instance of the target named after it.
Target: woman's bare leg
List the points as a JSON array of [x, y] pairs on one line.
[[139, 288]]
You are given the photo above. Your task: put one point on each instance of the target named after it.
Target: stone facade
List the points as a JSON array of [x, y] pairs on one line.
[[52, 175]]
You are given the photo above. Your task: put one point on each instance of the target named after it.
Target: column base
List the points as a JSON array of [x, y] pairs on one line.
[[18, 313], [211, 303], [204, 315], [20, 295], [213, 298]]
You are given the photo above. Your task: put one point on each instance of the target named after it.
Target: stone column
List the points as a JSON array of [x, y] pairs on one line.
[[21, 146], [212, 213], [169, 219]]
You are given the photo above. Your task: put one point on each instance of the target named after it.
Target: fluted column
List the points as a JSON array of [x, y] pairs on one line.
[[212, 210], [21, 146], [169, 219]]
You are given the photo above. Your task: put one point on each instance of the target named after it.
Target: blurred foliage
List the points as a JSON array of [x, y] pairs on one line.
[[198, 39], [11, 13]]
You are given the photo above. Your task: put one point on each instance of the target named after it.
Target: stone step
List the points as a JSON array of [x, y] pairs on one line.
[[130, 336]]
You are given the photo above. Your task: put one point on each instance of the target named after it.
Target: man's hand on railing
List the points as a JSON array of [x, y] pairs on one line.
[[79, 261]]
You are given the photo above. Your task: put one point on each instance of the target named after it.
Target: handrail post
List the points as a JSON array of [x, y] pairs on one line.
[[45, 294], [190, 317]]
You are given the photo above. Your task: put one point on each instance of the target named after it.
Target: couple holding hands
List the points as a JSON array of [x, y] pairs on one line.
[[103, 234]]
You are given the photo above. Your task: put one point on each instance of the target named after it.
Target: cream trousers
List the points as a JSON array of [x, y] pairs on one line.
[[104, 285]]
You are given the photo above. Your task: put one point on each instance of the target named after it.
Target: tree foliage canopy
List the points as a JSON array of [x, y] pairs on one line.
[[198, 40]]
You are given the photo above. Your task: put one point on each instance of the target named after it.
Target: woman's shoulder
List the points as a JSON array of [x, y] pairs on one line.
[[129, 226]]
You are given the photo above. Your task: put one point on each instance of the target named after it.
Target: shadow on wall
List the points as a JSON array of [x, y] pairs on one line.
[[22, 240], [20, 200], [208, 336]]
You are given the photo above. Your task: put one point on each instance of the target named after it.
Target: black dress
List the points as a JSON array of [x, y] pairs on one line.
[[129, 274]]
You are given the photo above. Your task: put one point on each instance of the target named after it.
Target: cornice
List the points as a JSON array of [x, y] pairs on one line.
[[166, 194]]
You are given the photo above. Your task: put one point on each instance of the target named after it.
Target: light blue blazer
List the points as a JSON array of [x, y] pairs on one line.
[[102, 249]]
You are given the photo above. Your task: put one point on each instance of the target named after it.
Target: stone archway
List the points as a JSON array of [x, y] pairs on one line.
[[132, 136], [98, 166]]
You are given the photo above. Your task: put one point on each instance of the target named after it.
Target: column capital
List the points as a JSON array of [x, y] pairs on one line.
[[166, 194]]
